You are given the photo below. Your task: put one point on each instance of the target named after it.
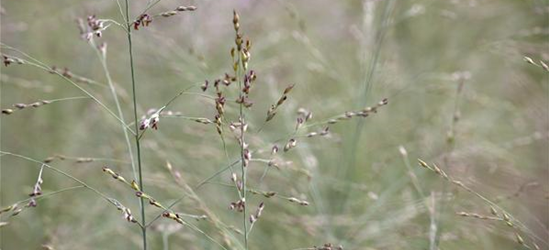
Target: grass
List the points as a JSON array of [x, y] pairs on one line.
[[137, 137], [313, 149]]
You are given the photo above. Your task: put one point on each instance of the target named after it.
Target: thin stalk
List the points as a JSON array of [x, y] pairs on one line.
[[58, 171], [69, 98], [201, 183], [165, 243], [121, 12], [85, 185], [43, 196], [137, 144], [103, 59], [186, 223], [40, 65], [244, 191]]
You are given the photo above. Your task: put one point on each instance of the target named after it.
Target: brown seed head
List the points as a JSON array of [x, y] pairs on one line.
[[236, 20]]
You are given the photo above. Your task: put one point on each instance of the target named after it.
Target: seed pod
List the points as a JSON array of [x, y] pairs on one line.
[[299, 122], [128, 215], [312, 134], [493, 211], [288, 89], [259, 210], [8, 208], [519, 239], [204, 86], [281, 100], [168, 13], [20, 105], [271, 113], [293, 199], [506, 217], [423, 164], [269, 194], [134, 185], [155, 203], [402, 151], [186, 8], [49, 159], [383, 102], [236, 20], [529, 60], [309, 116], [325, 131], [7, 111], [233, 177], [253, 219], [16, 211], [291, 144], [246, 155]]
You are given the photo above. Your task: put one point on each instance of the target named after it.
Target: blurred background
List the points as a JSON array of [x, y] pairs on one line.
[[461, 95]]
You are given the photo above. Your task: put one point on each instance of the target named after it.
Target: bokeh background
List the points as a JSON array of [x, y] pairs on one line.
[[460, 93]]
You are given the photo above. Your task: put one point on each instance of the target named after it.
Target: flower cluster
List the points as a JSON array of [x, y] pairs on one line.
[[143, 20], [238, 205], [95, 27], [151, 121]]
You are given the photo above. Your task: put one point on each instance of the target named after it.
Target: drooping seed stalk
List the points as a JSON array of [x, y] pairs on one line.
[[138, 147]]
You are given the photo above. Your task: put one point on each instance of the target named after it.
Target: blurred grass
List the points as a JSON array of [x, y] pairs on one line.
[[324, 47]]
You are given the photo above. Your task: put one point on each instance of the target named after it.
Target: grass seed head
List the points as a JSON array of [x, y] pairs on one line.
[[529, 60], [519, 238], [186, 8], [493, 211], [20, 105], [423, 164], [7, 111]]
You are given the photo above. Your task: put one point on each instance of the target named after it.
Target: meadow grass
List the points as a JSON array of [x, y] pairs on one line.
[[274, 125]]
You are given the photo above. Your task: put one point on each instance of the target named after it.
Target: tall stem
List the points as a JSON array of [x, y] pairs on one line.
[[138, 147], [243, 166]]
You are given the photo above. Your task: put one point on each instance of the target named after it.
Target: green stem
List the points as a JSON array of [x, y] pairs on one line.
[[103, 60], [138, 147], [243, 167]]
